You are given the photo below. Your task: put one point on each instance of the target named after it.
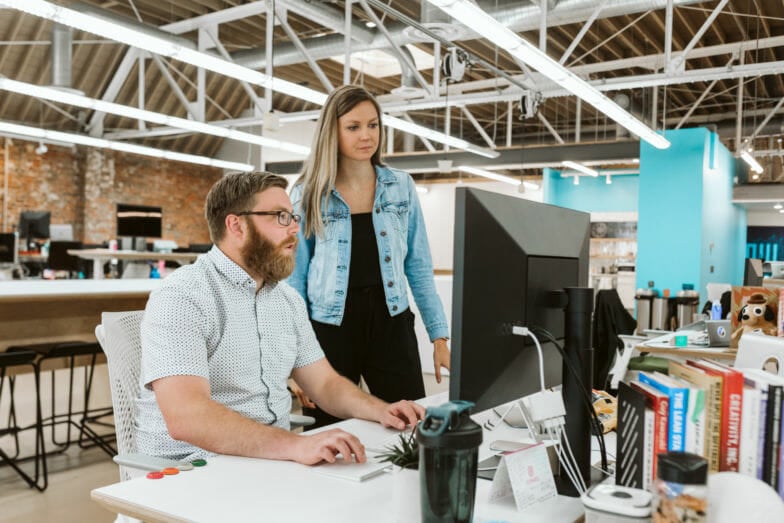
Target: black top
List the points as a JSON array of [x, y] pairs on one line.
[[365, 270]]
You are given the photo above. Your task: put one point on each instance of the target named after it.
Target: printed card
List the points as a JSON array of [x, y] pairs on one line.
[[526, 474]]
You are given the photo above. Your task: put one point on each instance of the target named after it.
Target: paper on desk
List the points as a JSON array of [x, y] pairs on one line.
[[352, 471], [526, 474]]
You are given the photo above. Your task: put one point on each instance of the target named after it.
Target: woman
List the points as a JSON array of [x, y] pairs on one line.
[[362, 241]]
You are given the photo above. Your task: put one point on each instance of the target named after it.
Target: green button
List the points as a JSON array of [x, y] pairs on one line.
[[199, 462]]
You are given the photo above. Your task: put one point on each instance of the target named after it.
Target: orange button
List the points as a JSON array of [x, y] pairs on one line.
[[171, 471]]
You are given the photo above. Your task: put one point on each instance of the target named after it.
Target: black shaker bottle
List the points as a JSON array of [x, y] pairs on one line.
[[448, 450]]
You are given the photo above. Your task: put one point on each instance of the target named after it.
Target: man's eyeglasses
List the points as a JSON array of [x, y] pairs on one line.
[[284, 217]]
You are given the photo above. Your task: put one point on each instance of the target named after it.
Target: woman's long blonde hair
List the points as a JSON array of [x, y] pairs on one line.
[[321, 167]]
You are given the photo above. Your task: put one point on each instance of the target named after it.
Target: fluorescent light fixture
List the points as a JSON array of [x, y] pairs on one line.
[[422, 190], [68, 98], [608, 180], [580, 167], [753, 163], [778, 206], [164, 47], [489, 174], [473, 17], [577, 179], [430, 134], [781, 211], [43, 134]]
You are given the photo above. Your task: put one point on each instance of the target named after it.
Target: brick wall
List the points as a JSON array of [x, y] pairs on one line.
[[81, 186]]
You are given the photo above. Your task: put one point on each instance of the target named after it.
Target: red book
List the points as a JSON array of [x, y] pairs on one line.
[[659, 402], [731, 408]]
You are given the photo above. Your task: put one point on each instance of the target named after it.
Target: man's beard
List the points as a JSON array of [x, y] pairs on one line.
[[265, 260]]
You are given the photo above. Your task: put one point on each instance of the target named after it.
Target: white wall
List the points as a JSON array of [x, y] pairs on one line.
[[764, 219], [438, 208]]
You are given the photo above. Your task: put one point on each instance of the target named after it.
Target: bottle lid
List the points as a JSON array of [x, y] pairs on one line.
[[688, 286], [450, 426], [682, 467]]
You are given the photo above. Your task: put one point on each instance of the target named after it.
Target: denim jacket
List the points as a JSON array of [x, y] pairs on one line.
[[321, 271]]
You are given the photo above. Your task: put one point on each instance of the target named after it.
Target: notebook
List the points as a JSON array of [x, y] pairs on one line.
[[718, 333], [353, 471]]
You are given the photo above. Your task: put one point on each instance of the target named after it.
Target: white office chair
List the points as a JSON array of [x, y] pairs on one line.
[[120, 337]]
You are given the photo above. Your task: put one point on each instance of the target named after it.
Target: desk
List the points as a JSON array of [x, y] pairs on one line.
[[246, 489], [37, 311], [661, 347], [101, 256]]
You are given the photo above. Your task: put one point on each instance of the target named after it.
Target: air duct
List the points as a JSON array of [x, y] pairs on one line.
[[61, 55]]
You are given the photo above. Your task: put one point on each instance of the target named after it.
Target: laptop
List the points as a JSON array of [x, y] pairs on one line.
[[718, 333]]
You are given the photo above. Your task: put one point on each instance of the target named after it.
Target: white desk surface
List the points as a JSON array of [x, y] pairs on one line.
[[106, 254], [245, 489], [20, 290]]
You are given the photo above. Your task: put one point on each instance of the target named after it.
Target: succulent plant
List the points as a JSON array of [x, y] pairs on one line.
[[405, 453]]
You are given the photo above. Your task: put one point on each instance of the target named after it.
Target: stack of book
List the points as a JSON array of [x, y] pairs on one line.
[[732, 417]]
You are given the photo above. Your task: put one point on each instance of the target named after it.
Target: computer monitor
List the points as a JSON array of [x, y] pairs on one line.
[[753, 272], [34, 225], [8, 248], [509, 254], [139, 220], [60, 260]]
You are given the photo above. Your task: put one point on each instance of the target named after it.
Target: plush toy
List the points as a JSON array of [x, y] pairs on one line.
[[756, 316]]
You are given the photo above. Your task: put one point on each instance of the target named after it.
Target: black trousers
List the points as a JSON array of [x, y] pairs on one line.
[[373, 345]]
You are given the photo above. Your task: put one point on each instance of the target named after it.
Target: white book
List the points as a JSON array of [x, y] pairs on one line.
[[752, 421]]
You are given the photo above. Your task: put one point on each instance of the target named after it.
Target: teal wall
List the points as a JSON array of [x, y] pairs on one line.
[[687, 222], [593, 194], [688, 231], [723, 224]]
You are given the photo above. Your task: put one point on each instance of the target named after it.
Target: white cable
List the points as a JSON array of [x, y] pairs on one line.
[[525, 331], [571, 455], [581, 487], [567, 467]]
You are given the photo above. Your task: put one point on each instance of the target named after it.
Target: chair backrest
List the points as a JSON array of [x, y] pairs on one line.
[[120, 337]]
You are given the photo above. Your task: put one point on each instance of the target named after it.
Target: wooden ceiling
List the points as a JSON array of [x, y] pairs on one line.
[[638, 35]]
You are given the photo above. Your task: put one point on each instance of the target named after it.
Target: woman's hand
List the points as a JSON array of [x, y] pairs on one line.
[[440, 357], [300, 394]]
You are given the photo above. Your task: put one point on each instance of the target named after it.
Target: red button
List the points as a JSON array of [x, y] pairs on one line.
[[154, 475], [171, 471]]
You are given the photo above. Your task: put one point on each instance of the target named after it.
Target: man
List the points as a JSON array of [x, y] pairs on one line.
[[221, 337]]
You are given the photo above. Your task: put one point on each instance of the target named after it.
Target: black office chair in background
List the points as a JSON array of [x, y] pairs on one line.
[[60, 260]]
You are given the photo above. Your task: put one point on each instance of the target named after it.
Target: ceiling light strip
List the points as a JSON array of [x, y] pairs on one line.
[[100, 143], [580, 167], [161, 46], [69, 98], [497, 177], [473, 17], [753, 163]]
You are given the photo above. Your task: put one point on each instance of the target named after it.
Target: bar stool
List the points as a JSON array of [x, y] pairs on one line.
[[10, 364], [70, 356]]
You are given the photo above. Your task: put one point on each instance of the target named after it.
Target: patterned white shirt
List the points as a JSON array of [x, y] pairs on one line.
[[207, 320]]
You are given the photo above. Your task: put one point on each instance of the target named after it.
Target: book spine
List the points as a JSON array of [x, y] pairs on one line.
[[679, 397], [648, 472], [772, 436], [695, 422], [661, 414], [781, 461], [731, 409], [761, 436], [749, 439]]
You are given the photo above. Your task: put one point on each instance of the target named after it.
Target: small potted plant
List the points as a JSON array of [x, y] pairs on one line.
[[404, 456], [405, 453]]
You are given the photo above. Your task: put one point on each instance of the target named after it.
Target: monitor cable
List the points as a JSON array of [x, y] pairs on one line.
[[597, 426]]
